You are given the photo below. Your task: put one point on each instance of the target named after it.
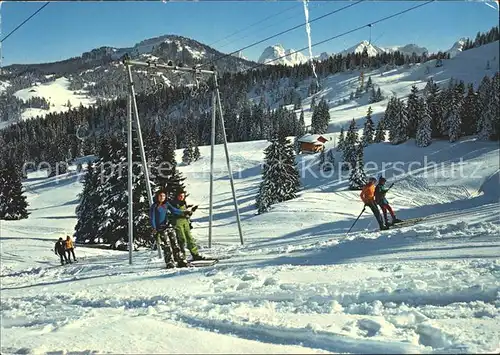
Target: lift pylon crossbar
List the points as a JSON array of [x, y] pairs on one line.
[[168, 67]]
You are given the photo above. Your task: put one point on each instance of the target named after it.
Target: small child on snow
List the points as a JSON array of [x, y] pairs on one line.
[[380, 192]]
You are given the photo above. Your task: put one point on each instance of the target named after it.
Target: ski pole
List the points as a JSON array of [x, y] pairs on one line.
[[356, 219]]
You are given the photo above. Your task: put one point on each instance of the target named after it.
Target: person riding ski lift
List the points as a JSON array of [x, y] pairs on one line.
[[163, 231], [380, 192], [70, 249], [183, 227], [60, 249], [368, 197]]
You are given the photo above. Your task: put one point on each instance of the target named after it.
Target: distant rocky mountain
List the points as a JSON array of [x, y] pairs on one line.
[[162, 49], [277, 54], [457, 47], [407, 49], [360, 47], [374, 50]]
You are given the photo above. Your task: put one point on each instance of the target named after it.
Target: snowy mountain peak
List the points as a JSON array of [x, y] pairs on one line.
[[457, 47], [371, 49], [271, 54], [240, 55], [408, 49]]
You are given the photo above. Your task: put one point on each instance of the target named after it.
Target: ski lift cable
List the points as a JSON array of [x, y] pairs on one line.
[[22, 23], [339, 35], [283, 32], [252, 25], [278, 34], [272, 24]]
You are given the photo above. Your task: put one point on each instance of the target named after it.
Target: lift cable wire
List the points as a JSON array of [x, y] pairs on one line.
[[22, 23], [341, 35]]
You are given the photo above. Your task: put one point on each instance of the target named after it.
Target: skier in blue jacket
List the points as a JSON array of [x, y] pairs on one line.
[[163, 232]]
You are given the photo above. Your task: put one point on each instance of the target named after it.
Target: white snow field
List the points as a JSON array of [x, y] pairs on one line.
[[57, 93], [299, 284]]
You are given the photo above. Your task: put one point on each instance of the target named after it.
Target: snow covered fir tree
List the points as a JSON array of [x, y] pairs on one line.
[[13, 204], [357, 177], [424, 126], [349, 146], [369, 129], [87, 210], [320, 118], [102, 211], [280, 177], [380, 132]]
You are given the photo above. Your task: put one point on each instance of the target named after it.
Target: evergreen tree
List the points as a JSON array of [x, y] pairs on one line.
[[413, 112], [380, 132], [433, 95], [188, 152], [321, 159], [167, 177], [369, 84], [87, 208], [448, 103], [13, 204], [302, 125], [424, 129], [296, 144], [454, 124], [330, 160], [399, 128], [56, 159], [494, 107], [368, 130], [264, 198], [113, 191], [483, 93], [357, 178], [320, 118], [340, 144], [280, 177], [313, 103], [196, 153], [490, 118], [390, 116], [469, 113], [175, 184], [376, 95], [350, 143]]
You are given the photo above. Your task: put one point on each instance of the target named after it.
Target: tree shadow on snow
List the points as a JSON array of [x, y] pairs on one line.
[[391, 245]]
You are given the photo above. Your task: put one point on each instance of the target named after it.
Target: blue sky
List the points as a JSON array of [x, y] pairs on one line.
[[67, 29]]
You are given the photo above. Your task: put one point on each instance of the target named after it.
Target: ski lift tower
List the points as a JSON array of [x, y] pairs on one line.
[[133, 117], [1, 54]]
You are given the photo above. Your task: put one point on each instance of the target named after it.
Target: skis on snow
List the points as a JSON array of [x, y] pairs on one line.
[[406, 223], [202, 263]]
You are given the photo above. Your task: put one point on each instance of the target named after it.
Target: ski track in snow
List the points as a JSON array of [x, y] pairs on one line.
[[299, 284]]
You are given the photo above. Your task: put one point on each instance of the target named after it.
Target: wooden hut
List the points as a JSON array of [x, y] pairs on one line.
[[312, 143]]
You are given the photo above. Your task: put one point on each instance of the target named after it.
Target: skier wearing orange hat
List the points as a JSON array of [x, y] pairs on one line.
[[368, 197]]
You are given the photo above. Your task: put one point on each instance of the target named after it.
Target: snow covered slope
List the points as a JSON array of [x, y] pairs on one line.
[[298, 285], [469, 66], [286, 56], [57, 93]]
